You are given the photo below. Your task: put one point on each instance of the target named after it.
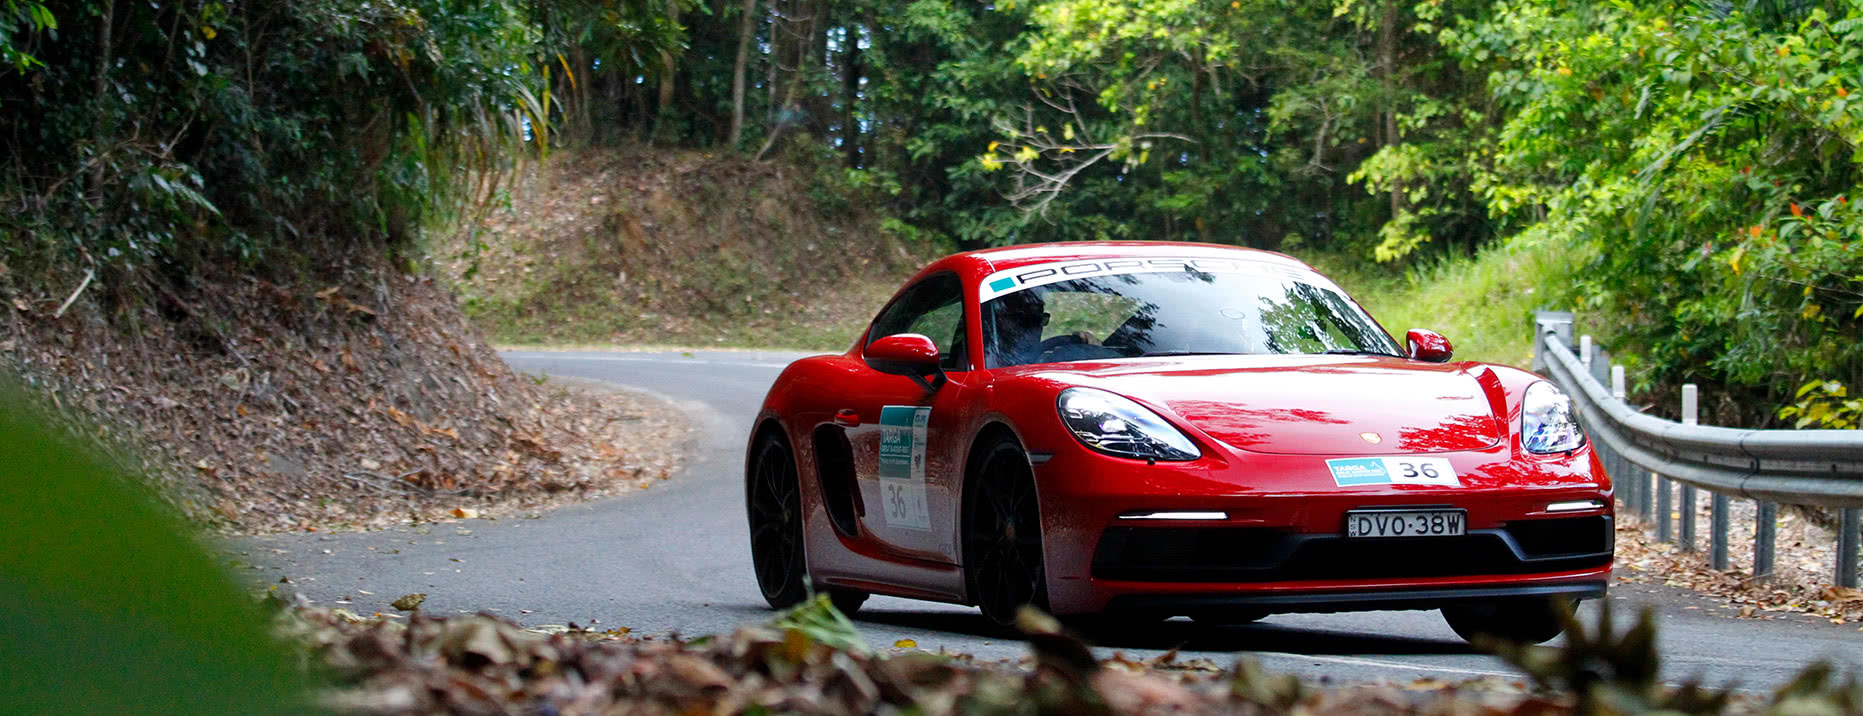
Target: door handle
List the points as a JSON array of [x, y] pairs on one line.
[[847, 418]]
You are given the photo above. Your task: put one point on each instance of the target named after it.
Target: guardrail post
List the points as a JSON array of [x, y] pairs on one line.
[[1598, 363], [1691, 400], [1687, 529], [1717, 533], [1640, 478], [1664, 510], [1849, 525], [1558, 323], [1765, 535]]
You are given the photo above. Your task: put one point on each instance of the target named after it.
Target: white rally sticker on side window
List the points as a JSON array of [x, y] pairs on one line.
[[903, 430], [1348, 472]]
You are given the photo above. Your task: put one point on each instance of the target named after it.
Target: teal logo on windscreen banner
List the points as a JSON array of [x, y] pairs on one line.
[[1002, 284], [1359, 471]]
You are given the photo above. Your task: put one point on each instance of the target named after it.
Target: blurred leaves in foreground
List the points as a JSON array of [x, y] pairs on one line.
[[106, 605], [809, 660]]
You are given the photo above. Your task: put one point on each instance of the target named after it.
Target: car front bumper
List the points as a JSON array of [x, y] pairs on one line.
[[1273, 538]]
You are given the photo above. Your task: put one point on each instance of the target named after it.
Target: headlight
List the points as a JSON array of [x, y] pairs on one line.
[[1117, 426], [1546, 422]]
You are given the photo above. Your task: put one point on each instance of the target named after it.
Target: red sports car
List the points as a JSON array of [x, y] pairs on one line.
[[1148, 430]]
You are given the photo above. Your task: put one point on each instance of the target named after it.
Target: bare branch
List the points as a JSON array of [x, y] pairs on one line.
[[1045, 163]]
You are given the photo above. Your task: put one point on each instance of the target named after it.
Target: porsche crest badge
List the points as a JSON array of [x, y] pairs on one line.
[[1372, 438]]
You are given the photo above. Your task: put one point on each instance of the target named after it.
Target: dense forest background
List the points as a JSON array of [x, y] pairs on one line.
[[1694, 160]]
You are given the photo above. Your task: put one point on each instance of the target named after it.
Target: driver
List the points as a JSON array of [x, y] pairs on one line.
[[1020, 317]]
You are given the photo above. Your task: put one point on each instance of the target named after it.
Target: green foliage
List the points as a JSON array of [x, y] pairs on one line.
[[817, 621], [107, 606], [1694, 162], [1257, 115], [1705, 159], [34, 17], [1824, 404], [199, 131], [1484, 305]]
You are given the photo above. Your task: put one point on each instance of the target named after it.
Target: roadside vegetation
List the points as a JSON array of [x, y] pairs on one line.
[[211, 220], [1685, 171], [677, 247], [1481, 303]]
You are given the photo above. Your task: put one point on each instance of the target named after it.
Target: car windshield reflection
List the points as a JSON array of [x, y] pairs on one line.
[[1180, 313]]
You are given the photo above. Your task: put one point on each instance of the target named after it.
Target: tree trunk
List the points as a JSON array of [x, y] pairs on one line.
[[815, 58], [580, 79], [783, 118], [746, 31], [850, 94], [1387, 64], [772, 75], [101, 86], [668, 77]]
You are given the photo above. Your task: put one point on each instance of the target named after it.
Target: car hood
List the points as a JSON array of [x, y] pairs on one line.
[[1312, 405]]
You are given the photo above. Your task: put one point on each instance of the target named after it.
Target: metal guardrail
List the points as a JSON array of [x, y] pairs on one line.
[[1645, 454]]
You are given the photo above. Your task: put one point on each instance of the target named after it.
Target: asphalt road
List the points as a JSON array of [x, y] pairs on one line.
[[675, 559]]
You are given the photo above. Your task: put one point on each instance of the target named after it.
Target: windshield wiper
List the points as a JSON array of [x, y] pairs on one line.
[[1358, 352]]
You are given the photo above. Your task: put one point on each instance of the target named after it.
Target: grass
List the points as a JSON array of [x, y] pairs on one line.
[[1484, 304]]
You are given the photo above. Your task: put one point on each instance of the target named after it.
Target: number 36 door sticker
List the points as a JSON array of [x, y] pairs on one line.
[[1406, 470], [903, 430]]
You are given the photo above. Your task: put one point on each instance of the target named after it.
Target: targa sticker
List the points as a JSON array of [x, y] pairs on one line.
[[1348, 472], [902, 466]]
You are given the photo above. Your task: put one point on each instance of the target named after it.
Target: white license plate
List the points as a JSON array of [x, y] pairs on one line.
[[1406, 523]]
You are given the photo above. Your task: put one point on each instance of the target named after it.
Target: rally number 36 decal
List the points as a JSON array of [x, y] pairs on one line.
[[902, 466], [1393, 471]]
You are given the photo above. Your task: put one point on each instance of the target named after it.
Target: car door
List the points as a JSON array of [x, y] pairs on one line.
[[906, 462]]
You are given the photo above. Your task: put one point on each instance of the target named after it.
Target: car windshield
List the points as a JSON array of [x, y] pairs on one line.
[[1188, 312]]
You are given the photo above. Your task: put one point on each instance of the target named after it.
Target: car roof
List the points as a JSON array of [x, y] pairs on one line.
[[1009, 257]]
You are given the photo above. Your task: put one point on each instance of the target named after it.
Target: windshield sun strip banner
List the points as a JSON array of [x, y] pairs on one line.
[[1010, 281]]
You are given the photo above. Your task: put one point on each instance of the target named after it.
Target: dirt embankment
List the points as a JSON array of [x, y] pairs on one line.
[[677, 247], [358, 396]]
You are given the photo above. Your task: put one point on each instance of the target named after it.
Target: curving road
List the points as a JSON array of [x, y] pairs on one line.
[[675, 559]]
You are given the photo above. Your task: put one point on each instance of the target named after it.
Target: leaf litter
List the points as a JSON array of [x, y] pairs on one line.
[[810, 660], [1803, 572]]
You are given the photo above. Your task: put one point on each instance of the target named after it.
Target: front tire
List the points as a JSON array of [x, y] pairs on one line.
[[773, 498], [1524, 621], [847, 601], [1002, 535]]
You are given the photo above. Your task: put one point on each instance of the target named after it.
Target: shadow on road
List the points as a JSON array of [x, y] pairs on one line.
[[1190, 636]]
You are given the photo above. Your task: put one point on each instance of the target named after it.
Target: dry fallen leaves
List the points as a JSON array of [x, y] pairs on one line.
[[802, 663], [1799, 585]]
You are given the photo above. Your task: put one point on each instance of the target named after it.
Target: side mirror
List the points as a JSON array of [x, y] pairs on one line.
[[1426, 345], [908, 354]]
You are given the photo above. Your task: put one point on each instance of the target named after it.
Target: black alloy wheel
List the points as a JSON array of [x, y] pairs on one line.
[[1002, 535], [773, 498], [1523, 621]]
